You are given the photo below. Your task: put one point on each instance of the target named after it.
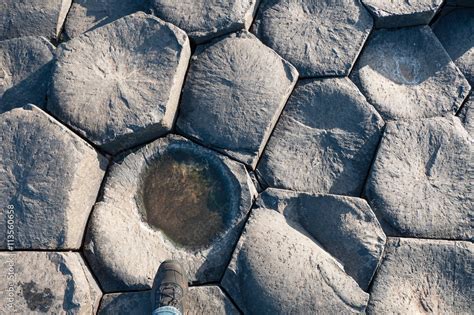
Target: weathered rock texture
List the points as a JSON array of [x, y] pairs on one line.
[[33, 17], [46, 283], [199, 300], [171, 199], [400, 13], [203, 20], [319, 37], [278, 268], [406, 73], [466, 114], [234, 92], [424, 277], [50, 176], [324, 141], [455, 30], [119, 85], [422, 178], [345, 227], [86, 15], [24, 71]]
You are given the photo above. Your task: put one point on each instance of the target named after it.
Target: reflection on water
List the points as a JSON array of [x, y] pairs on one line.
[[186, 198]]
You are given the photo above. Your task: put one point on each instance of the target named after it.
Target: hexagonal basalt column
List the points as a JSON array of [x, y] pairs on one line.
[[278, 268], [406, 73], [400, 13], [49, 179], [419, 185], [203, 20], [170, 199], [233, 95], [319, 37], [86, 15], [324, 141], [455, 30], [424, 277], [119, 85], [345, 226], [47, 283], [198, 300], [24, 71], [34, 17]]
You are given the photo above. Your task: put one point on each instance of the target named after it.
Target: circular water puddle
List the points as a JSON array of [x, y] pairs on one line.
[[187, 198]]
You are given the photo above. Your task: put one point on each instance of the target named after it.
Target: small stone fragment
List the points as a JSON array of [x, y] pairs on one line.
[[86, 15], [324, 141], [119, 85], [319, 37], [234, 92], [199, 300], [421, 181], [406, 74], [401, 13], [47, 283], [203, 19], [49, 180], [278, 268], [455, 30], [345, 226], [24, 71], [424, 277], [32, 18], [466, 115], [172, 199]]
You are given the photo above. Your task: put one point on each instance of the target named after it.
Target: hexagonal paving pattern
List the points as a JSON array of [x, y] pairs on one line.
[[50, 178], [171, 198], [24, 71], [454, 29], [234, 92], [416, 276], [200, 300], [35, 17], [406, 74], [319, 37], [274, 257], [86, 15], [204, 19], [47, 283], [119, 85], [420, 184], [398, 13], [325, 140]]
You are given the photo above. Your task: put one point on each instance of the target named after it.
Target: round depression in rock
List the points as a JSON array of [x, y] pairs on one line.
[[170, 199]]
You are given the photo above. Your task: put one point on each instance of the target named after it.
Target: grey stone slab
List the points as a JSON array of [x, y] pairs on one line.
[[119, 85], [324, 141], [86, 15], [203, 20], [466, 114], [424, 277], [25, 65], [406, 73], [33, 17], [319, 37], [199, 300], [422, 178], [172, 199], [49, 179], [277, 268], [344, 226], [46, 283], [234, 92], [401, 13], [455, 31]]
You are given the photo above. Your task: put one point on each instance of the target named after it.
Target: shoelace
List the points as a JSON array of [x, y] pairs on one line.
[[173, 293]]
